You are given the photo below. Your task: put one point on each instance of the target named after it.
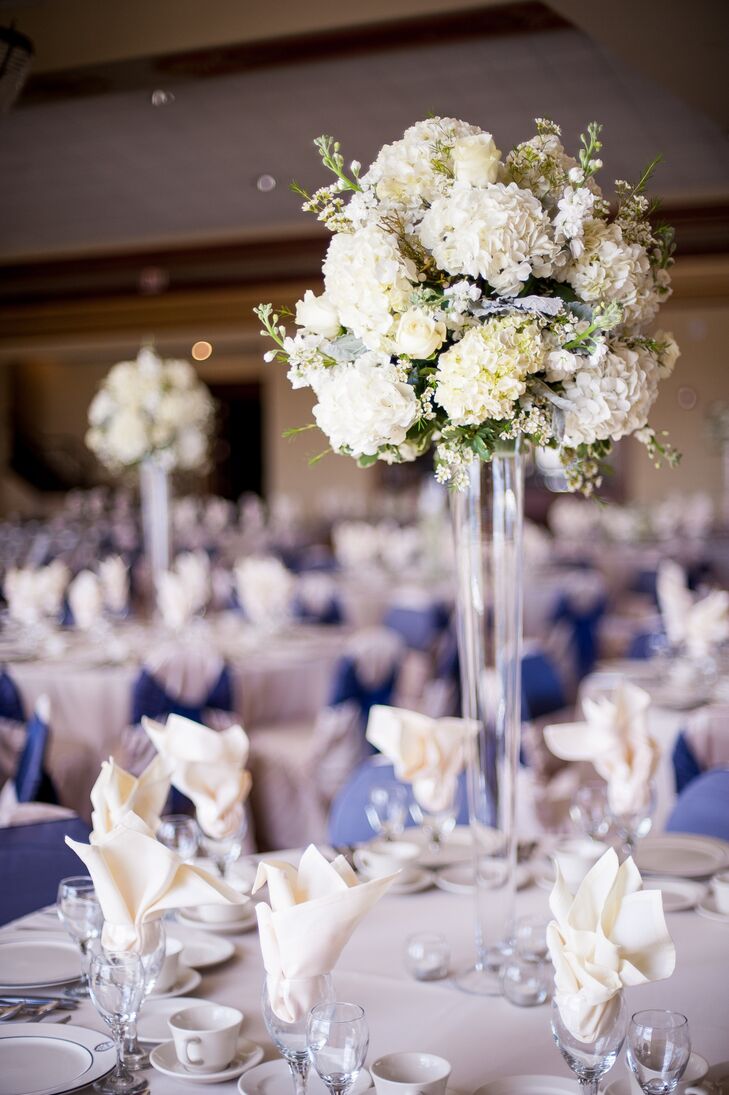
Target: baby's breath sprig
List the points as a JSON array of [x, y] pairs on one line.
[[547, 128]]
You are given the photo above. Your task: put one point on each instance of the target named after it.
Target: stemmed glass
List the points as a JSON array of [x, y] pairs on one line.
[[659, 1047], [180, 834], [436, 824], [80, 913], [290, 1039], [226, 850], [387, 809], [591, 1060], [631, 827], [337, 1036], [116, 984], [589, 809], [151, 953]]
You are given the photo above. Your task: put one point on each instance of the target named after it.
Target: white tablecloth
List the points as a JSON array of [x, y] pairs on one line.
[[483, 1037]]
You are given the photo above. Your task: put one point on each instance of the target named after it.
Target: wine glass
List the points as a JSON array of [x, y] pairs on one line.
[[589, 809], [81, 915], [632, 825], [659, 1047], [180, 834], [436, 824], [225, 850], [591, 1060], [116, 983], [290, 1039], [387, 809], [151, 952], [337, 1037]]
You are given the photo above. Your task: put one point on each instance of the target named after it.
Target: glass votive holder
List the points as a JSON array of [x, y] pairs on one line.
[[427, 956], [530, 938], [525, 982]]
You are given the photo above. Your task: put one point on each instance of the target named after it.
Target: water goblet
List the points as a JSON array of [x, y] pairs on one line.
[[632, 825], [659, 1047], [151, 952], [180, 834], [590, 811], [81, 915], [225, 850], [387, 809], [591, 1060], [436, 824], [116, 983], [290, 1039], [337, 1037]]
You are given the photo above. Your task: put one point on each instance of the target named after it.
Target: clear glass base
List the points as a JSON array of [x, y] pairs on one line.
[[479, 981], [136, 1059], [121, 1085]]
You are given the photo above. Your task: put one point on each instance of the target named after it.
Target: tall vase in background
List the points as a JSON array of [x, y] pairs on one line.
[[487, 519], [155, 502]]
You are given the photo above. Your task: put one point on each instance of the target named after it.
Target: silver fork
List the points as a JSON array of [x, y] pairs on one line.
[[44, 1009]]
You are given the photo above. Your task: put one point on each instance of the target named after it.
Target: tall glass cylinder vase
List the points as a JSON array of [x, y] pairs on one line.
[[487, 519], [155, 503]]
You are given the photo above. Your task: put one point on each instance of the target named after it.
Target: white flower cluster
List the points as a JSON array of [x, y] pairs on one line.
[[151, 408], [470, 299]]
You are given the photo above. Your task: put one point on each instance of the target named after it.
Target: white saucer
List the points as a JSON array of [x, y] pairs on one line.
[[274, 1078], [708, 908], [164, 1059], [679, 894], [456, 847], [528, 1085], [543, 873], [421, 880], [618, 1087], [459, 878], [187, 981], [191, 919], [200, 950], [152, 1023]]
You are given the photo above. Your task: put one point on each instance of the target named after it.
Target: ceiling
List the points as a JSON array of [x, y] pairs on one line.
[[110, 173]]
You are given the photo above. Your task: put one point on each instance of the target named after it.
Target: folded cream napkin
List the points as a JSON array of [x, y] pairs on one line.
[[114, 578], [34, 593], [208, 766], [85, 599], [699, 624], [616, 740], [137, 879], [311, 916], [265, 589], [427, 753], [116, 793], [193, 568], [175, 605], [610, 935]]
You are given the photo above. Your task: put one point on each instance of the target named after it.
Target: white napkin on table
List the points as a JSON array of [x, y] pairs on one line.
[[700, 624], [611, 934], [265, 589], [193, 568], [137, 879], [34, 593], [208, 766], [427, 753], [116, 793], [175, 605], [85, 599], [616, 740], [311, 916], [114, 578]]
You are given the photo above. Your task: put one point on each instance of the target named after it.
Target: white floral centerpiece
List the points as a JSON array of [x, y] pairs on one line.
[[151, 409], [472, 298]]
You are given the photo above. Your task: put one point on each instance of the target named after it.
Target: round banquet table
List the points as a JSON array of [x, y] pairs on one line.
[[483, 1038], [277, 679]]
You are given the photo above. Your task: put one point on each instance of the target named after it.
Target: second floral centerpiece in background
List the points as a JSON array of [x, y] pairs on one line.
[[471, 299]]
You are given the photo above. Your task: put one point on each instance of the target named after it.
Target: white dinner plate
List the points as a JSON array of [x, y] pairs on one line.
[[152, 1025], [709, 908], [456, 847], [459, 878], [31, 960], [543, 873], [187, 981], [164, 1059], [421, 880], [679, 894], [53, 1059], [274, 1078], [191, 919], [681, 854], [528, 1085], [200, 950], [618, 1087]]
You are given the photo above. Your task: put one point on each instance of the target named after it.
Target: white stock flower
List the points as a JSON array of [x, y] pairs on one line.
[[367, 280], [476, 159], [610, 397], [574, 208], [499, 233], [669, 354], [317, 315], [484, 374], [365, 405], [419, 334], [560, 364], [542, 166]]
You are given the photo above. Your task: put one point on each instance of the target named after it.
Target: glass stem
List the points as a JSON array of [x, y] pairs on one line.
[[130, 1037], [299, 1065], [119, 1071], [589, 1087]]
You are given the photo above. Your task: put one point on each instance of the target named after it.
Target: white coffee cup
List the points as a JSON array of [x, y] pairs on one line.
[[410, 1074], [575, 856], [382, 858], [692, 1081], [720, 887], [205, 1036], [227, 913], [170, 971]]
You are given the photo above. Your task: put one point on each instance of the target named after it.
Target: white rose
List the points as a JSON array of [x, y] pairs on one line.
[[418, 334], [317, 314], [365, 405], [476, 159]]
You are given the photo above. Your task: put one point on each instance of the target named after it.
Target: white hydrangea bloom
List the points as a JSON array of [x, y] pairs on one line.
[[305, 358], [498, 232], [483, 375], [609, 269], [365, 405], [367, 280], [611, 395]]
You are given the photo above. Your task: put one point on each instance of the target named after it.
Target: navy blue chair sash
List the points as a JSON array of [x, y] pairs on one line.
[[32, 782], [685, 765], [11, 705], [703, 806]]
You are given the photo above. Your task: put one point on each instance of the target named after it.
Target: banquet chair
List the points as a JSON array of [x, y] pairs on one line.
[[32, 782], [11, 705], [703, 806], [33, 859], [348, 822], [703, 745], [646, 644], [582, 611], [12, 727], [419, 626]]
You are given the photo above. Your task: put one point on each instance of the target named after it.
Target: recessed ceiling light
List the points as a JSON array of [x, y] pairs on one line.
[[265, 183], [160, 97], [201, 351]]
